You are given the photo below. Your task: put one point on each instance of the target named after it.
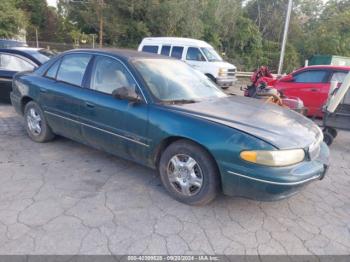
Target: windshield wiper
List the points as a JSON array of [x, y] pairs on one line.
[[182, 101]]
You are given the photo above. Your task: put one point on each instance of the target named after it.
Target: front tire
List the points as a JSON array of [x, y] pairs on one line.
[[36, 124], [212, 78], [333, 131], [189, 173]]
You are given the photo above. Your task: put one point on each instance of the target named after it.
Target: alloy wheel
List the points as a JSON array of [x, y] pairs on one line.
[[34, 122], [185, 175]]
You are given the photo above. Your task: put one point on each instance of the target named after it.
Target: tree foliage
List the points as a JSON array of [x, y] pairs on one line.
[[12, 19], [249, 32]]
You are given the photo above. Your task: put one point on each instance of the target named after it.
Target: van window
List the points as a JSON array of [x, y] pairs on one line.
[[211, 54], [194, 54], [177, 52], [165, 50], [150, 48]]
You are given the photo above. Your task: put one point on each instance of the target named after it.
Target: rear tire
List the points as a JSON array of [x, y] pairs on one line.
[[328, 137], [189, 173], [36, 124], [333, 131]]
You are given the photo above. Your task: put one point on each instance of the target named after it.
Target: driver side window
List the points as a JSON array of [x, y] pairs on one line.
[[109, 74], [193, 54], [312, 76]]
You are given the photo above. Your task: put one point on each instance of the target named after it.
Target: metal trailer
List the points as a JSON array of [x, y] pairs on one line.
[[337, 110]]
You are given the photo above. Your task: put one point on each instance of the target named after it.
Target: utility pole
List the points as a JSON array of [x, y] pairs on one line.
[[285, 35], [36, 37], [101, 6]]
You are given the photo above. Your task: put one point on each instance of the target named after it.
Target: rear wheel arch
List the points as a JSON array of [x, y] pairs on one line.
[[36, 124]]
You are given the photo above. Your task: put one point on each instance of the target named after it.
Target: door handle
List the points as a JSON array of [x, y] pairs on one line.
[[315, 89], [43, 90], [89, 105]]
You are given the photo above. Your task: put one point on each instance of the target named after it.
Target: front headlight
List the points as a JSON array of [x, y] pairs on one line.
[[222, 71], [274, 158]]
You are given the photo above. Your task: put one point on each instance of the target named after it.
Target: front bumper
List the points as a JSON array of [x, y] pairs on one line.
[[225, 81], [273, 183]]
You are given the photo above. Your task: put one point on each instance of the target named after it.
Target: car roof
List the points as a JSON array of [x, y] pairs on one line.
[[125, 54], [12, 43], [175, 40], [20, 50], [333, 67], [23, 51]]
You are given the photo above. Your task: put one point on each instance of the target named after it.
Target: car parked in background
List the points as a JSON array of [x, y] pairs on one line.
[[199, 54], [162, 113], [311, 84], [8, 43], [13, 60]]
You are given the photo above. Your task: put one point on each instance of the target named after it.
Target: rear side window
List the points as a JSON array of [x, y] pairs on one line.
[[314, 76], [165, 50], [14, 63], [51, 73], [339, 76], [73, 68], [150, 49], [176, 52]]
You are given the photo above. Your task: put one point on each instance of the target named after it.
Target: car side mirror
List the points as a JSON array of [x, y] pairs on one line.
[[125, 93], [287, 78]]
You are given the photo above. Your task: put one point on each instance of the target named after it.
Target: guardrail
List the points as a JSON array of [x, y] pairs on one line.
[[244, 74], [248, 74]]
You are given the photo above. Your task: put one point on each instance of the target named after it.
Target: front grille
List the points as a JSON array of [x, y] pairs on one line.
[[231, 72]]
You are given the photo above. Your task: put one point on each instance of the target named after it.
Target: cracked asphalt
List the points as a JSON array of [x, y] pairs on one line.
[[66, 198]]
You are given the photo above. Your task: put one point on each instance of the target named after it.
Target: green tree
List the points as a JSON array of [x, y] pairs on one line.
[[36, 13], [12, 19], [249, 34]]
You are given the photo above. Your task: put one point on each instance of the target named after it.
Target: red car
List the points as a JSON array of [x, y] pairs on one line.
[[311, 84]]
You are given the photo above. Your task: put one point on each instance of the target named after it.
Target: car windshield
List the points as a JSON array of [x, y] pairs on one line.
[[211, 54], [175, 81], [43, 55]]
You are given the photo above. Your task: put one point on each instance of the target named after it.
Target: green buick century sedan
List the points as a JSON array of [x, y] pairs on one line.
[[163, 114]]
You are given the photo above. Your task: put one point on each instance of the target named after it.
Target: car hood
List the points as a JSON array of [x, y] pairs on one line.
[[283, 128], [223, 64]]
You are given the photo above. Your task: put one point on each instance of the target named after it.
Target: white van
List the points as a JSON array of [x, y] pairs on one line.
[[196, 53]]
